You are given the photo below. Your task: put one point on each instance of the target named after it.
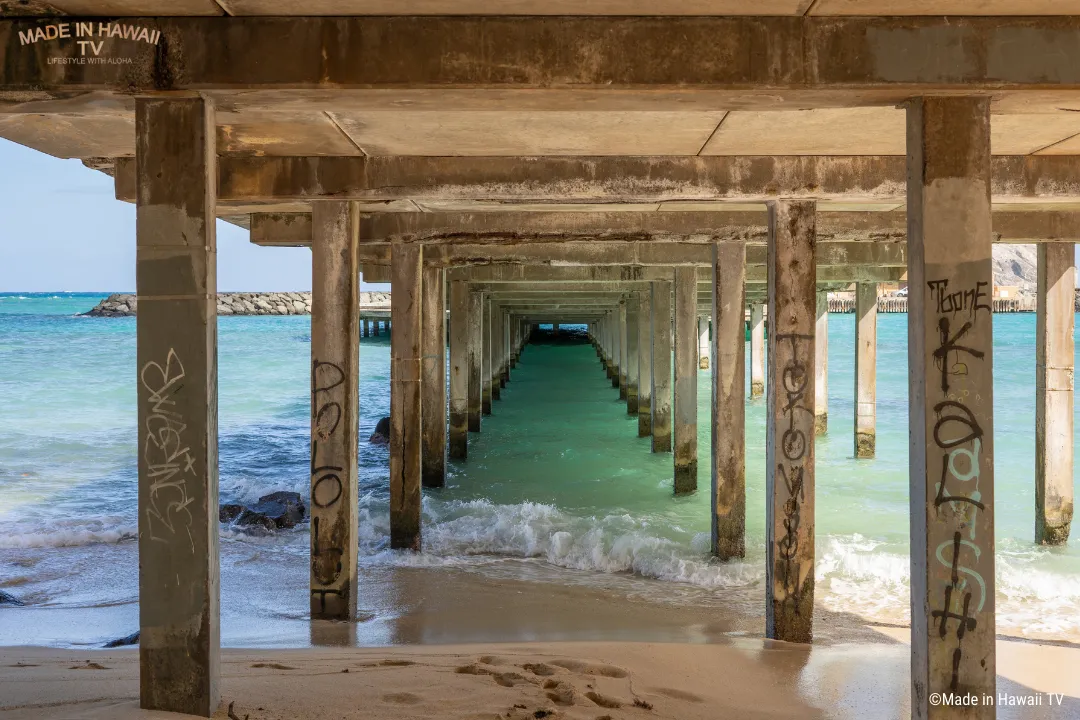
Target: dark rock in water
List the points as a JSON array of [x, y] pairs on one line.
[[9, 599], [381, 436], [132, 639], [275, 511], [229, 512]]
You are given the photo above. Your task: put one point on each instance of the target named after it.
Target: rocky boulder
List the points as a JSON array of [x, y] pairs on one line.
[[276, 511], [381, 436], [132, 639], [9, 599]]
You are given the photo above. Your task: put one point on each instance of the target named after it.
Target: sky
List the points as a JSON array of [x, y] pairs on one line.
[[62, 229]]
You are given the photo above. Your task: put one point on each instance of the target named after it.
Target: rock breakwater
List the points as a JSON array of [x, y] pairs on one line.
[[238, 303]]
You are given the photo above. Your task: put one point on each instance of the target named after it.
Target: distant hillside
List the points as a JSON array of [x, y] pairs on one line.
[[1016, 265]]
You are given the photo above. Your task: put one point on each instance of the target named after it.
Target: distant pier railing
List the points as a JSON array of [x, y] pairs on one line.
[[892, 304]]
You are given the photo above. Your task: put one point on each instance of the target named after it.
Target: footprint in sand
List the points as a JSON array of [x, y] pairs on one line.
[[541, 669], [273, 666], [585, 668], [88, 666], [492, 660], [509, 679], [603, 701], [402, 698], [472, 669], [559, 692]]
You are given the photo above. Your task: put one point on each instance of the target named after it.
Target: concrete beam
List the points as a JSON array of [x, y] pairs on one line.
[[817, 61]]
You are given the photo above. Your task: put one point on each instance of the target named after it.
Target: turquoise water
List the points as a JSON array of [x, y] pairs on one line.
[[556, 483]]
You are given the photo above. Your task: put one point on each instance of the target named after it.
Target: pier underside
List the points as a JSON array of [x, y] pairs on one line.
[[680, 184]]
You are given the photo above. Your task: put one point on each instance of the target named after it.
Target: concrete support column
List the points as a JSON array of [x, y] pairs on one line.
[[433, 378], [458, 445], [504, 344], [365, 328], [865, 369], [644, 386], [633, 307], [1054, 393], [728, 403], [611, 349], [789, 448], [335, 379], [703, 342], [486, 326], [661, 362], [951, 391], [405, 405], [821, 365], [476, 362], [176, 336], [757, 349], [495, 352], [686, 367], [624, 353], [378, 327], [555, 328]]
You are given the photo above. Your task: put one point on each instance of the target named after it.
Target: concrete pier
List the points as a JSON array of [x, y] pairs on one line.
[[476, 360], [405, 405], [176, 335], [1054, 360], [865, 369], [433, 378], [335, 375], [633, 308], [486, 352], [757, 349], [686, 368], [950, 361], [703, 342], [789, 476], [821, 365], [728, 404], [458, 433], [624, 352], [645, 363], [661, 364]]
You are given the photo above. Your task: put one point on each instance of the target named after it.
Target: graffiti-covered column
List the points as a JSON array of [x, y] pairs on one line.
[[335, 373], [644, 385], [950, 351], [728, 401], [757, 349], [405, 403], [433, 377], [661, 362], [865, 369], [1054, 393], [789, 463], [476, 364], [633, 307], [176, 335], [821, 365]]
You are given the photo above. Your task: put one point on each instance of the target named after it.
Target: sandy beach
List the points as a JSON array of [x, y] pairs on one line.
[[514, 681]]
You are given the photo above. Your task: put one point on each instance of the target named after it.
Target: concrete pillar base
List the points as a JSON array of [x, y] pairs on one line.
[[703, 363], [644, 418], [686, 478], [821, 424], [865, 445], [757, 389]]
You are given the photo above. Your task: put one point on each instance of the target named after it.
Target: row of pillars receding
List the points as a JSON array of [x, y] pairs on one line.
[[950, 394]]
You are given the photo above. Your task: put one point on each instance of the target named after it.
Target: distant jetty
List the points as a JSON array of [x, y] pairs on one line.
[[242, 303]]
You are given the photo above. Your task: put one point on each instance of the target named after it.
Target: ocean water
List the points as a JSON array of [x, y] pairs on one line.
[[557, 487]]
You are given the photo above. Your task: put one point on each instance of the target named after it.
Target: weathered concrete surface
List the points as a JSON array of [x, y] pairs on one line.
[[1054, 367], [405, 420], [494, 338], [476, 360], [661, 362], [645, 343], [865, 370], [458, 439], [335, 407], [633, 322], [728, 404], [624, 351], [950, 364], [789, 491], [616, 349], [757, 349], [433, 378], [686, 368], [598, 179], [175, 273], [821, 365]]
